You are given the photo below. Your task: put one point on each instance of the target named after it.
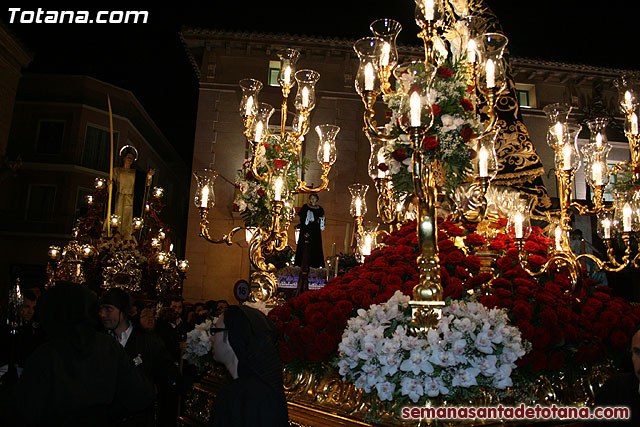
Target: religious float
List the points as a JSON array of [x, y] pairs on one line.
[[462, 301]]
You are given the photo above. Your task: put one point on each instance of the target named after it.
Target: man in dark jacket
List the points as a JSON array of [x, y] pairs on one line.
[[79, 377], [145, 348]]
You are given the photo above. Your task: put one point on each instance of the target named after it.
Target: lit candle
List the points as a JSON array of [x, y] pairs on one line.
[[626, 217], [204, 198], [259, 131], [358, 204], [384, 56], [249, 107], [483, 162], [606, 228], [368, 76], [518, 219], [287, 75], [566, 157], [471, 51], [598, 139], [415, 109], [305, 97], [634, 124], [428, 10], [491, 74], [627, 100], [558, 131], [366, 246], [277, 190], [327, 153], [596, 173], [558, 238]]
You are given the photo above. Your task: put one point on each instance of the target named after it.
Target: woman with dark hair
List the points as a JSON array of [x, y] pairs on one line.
[[244, 341]]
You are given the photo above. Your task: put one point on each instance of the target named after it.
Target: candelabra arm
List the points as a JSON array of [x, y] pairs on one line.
[[472, 216], [560, 258], [204, 230], [370, 125], [324, 179], [386, 208], [493, 116], [598, 205], [254, 165]]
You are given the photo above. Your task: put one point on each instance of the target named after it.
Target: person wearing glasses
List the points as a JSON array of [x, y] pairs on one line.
[[244, 341]]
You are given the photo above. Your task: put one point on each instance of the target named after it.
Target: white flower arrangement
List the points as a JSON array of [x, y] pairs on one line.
[[471, 346], [198, 347]]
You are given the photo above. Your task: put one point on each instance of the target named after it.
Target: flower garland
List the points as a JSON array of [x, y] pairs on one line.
[[252, 198], [471, 346], [448, 140]]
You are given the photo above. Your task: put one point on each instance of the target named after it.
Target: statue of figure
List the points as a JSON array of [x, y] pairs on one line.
[[124, 178], [309, 251]]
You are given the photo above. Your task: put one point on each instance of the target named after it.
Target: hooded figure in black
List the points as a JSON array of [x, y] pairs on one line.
[[245, 342], [79, 377]]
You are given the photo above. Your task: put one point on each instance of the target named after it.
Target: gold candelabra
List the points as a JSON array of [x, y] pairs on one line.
[[620, 217], [274, 173], [378, 59]]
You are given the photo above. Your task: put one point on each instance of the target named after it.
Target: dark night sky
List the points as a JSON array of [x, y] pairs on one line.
[[150, 61]]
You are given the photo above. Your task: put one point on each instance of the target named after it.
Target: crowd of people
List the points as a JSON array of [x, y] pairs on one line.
[[110, 360]]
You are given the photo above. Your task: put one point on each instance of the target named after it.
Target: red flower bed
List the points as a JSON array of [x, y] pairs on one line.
[[581, 327]]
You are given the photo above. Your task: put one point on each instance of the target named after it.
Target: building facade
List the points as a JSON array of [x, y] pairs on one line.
[[60, 130], [221, 59]]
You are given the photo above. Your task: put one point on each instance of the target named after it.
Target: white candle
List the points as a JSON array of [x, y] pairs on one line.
[[366, 246], [204, 198], [566, 157], [558, 238], [491, 74], [305, 97], [627, 100], [249, 107], [428, 10], [327, 152], [259, 127], [634, 124], [606, 228], [358, 204], [596, 173], [471, 51], [287, 75], [483, 162], [598, 139], [415, 109], [558, 131], [368, 76], [277, 189], [384, 56], [626, 217], [518, 219]]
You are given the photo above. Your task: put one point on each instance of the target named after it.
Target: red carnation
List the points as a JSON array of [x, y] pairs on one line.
[[444, 73], [266, 146], [454, 257], [279, 163], [504, 263], [490, 301], [383, 167], [260, 192], [521, 311], [466, 104], [399, 155], [430, 142], [475, 239], [466, 133], [436, 110]]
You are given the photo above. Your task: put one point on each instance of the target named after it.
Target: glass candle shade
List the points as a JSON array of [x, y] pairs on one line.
[[306, 96], [414, 80], [605, 225], [358, 205], [205, 196], [626, 216], [260, 127], [387, 30], [378, 164], [557, 117], [288, 58], [598, 136], [299, 124], [628, 93], [519, 225], [492, 75], [327, 144], [595, 163], [368, 50], [485, 163], [278, 185], [567, 156], [249, 101], [428, 11], [100, 183]]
